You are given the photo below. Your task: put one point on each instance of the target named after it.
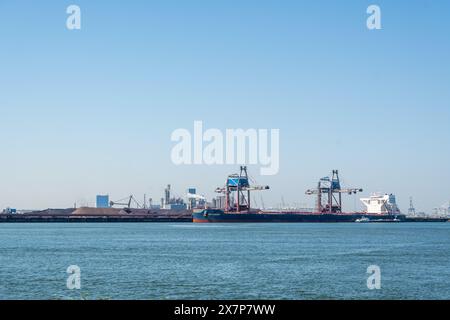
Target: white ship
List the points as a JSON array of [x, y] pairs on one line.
[[381, 204]]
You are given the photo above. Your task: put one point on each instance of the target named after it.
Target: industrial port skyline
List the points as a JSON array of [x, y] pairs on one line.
[[182, 199]]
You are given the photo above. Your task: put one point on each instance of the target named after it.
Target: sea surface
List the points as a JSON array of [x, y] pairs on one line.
[[225, 261]]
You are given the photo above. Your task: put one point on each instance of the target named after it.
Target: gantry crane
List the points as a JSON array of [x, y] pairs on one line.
[[237, 187], [330, 187], [127, 205]]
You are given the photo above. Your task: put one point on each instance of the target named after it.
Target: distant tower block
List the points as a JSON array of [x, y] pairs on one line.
[[102, 201], [192, 190], [192, 201], [167, 195]]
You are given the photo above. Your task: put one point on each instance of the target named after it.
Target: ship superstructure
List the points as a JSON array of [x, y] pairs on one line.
[[381, 204]]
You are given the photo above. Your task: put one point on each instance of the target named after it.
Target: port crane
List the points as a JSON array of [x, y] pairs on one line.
[[127, 205], [237, 191], [411, 209], [330, 188]]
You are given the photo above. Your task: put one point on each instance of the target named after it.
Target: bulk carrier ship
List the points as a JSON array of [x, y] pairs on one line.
[[237, 208]]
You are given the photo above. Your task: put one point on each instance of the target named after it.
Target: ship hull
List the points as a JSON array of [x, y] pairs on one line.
[[216, 216]]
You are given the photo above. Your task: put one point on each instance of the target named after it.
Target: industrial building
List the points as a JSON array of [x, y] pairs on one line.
[[102, 201]]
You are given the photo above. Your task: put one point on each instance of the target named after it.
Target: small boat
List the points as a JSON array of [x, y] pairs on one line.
[[365, 220]]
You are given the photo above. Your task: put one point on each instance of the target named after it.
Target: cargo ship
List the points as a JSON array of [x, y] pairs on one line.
[[236, 207]]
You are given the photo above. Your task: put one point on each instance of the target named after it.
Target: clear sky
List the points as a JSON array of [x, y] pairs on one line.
[[91, 111]]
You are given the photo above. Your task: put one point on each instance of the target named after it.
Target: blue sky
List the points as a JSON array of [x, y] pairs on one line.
[[91, 111]]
